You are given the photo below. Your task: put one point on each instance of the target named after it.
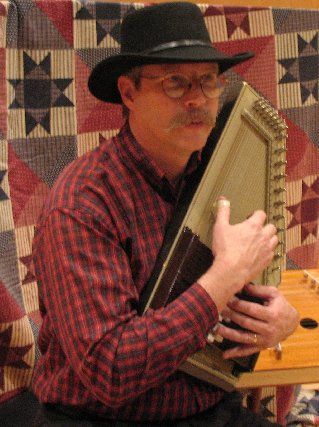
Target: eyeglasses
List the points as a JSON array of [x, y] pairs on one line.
[[176, 85]]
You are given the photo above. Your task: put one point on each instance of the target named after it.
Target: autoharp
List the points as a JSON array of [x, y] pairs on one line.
[[247, 165]]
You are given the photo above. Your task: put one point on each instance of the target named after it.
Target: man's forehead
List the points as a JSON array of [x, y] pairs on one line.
[[191, 67]]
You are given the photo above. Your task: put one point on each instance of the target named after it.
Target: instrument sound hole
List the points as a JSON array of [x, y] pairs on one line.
[[308, 323]]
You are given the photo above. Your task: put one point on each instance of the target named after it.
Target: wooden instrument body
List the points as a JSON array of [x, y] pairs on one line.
[[248, 167], [298, 362]]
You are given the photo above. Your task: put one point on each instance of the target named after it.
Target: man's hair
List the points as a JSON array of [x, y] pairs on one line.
[[133, 74]]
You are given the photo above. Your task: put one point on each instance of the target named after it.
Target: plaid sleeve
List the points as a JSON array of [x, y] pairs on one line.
[[89, 294]]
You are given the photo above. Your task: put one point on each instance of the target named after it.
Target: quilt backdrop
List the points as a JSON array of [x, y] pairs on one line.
[[48, 118]]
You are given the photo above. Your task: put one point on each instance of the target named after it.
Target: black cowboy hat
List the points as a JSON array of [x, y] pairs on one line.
[[162, 33]]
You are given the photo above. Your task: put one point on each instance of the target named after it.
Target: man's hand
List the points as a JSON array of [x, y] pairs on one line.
[[247, 247], [241, 252], [265, 325]]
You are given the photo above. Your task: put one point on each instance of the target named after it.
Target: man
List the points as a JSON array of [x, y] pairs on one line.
[[102, 228]]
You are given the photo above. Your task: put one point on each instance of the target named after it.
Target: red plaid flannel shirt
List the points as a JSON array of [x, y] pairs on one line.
[[94, 250]]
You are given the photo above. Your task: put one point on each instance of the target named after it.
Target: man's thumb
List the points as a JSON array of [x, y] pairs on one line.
[[222, 210]]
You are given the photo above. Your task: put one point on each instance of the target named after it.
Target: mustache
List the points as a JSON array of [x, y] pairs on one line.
[[185, 118]]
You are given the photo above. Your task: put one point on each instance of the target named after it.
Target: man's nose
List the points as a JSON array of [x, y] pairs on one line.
[[194, 96]]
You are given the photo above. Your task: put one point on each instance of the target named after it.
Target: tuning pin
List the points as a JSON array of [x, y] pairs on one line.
[[281, 244], [283, 125], [279, 203], [280, 150], [314, 283], [278, 120], [280, 163], [278, 217], [281, 136], [305, 276], [278, 351], [280, 190], [280, 176], [258, 104]]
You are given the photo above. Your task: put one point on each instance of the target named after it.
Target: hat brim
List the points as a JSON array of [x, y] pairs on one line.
[[103, 79]]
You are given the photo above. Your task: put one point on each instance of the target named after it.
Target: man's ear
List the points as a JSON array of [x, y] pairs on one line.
[[127, 89]]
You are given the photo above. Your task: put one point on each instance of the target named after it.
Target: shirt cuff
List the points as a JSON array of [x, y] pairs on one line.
[[200, 310]]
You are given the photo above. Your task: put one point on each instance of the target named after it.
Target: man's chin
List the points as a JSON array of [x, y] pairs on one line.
[[196, 133], [193, 144]]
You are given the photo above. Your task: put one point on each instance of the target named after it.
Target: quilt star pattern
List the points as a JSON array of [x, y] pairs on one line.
[[48, 118]]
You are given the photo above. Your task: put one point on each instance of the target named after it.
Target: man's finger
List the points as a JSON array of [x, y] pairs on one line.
[[258, 217], [240, 351], [264, 292], [270, 229]]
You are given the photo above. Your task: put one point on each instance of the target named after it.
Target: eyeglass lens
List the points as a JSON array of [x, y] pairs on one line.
[[175, 86]]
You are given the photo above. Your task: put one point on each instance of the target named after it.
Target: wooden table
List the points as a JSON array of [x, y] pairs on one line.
[[299, 362]]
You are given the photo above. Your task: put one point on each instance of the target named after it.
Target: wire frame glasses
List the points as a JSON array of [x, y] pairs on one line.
[[176, 85]]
